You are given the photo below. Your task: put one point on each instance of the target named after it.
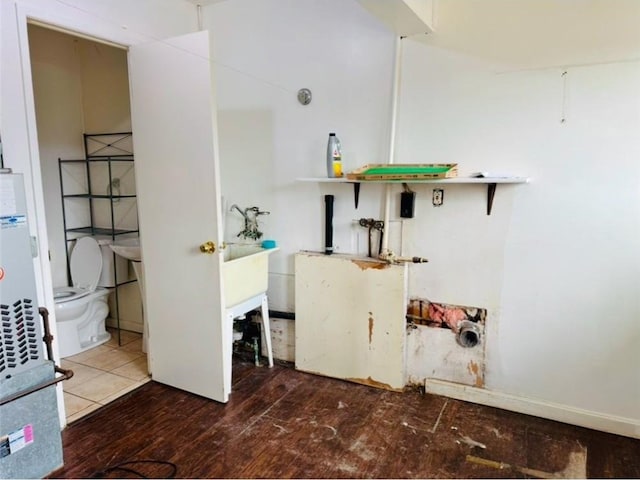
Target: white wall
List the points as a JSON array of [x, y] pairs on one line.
[[264, 52], [574, 244], [105, 88], [57, 86], [555, 262], [558, 278]]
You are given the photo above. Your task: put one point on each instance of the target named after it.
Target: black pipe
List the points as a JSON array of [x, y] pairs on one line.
[[282, 315], [328, 225]]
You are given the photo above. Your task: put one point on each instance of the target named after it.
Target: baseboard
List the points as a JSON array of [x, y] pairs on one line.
[[627, 427]]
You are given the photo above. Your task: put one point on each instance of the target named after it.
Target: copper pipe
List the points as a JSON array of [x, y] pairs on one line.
[[66, 374]]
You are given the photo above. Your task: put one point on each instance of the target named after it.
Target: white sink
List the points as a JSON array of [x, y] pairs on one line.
[[245, 272], [233, 251], [128, 248]]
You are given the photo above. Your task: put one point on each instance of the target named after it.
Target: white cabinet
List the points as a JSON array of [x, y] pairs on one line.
[[350, 318]]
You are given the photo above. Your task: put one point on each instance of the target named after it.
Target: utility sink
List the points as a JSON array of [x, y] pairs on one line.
[[128, 248], [245, 272], [245, 268]]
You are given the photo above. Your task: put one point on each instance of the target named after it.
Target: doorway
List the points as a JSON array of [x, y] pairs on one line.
[[81, 86]]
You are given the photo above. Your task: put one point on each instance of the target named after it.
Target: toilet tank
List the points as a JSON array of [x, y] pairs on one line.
[[109, 268]]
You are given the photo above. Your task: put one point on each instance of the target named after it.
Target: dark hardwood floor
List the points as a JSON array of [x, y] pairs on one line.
[[281, 423]]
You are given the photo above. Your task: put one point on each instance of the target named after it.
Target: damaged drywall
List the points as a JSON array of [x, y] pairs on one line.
[[445, 342], [425, 312]]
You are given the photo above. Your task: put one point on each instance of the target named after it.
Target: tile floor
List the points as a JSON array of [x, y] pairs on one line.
[[104, 373]]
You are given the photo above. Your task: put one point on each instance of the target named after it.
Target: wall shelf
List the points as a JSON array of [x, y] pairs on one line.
[[100, 231], [120, 158], [491, 183], [93, 196], [108, 150]]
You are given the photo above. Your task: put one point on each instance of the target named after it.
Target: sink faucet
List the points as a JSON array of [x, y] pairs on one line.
[[234, 206], [250, 216]]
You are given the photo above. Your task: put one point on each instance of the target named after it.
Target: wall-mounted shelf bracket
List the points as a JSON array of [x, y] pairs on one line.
[[491, 192], [491, 182]]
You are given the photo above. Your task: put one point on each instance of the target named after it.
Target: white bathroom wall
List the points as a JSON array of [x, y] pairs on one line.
[[106, 108], [57, 86], [105, 88], [81, 86]]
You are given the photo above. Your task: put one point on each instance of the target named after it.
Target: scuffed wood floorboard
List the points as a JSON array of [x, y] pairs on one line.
[[282, 423]]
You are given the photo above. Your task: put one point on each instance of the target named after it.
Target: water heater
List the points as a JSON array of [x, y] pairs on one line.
[[30, 440]]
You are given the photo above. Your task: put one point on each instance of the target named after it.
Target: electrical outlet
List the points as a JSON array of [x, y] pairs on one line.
[[438, 197]]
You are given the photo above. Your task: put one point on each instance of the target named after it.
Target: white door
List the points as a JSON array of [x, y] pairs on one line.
[[178, 187]]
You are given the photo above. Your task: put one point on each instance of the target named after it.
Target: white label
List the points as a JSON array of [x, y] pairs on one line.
[[16, 440], [12, 221]]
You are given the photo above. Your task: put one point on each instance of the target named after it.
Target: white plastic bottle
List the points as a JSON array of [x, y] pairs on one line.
[[334, 157]]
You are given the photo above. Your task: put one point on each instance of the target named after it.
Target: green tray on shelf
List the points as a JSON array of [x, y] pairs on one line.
[[404, 171]]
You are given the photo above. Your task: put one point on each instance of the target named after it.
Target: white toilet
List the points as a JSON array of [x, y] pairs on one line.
[[81, 310]]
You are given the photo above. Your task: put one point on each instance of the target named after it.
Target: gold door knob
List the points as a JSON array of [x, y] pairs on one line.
[[208, 247]]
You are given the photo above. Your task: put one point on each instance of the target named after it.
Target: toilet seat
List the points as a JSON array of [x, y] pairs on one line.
[[64, 294], [85, 264]]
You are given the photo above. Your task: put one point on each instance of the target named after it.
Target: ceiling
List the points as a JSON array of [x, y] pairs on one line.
[[539, 33], [533, 33]]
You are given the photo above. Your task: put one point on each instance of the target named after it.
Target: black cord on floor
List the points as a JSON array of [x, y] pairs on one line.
[[122, 468]]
